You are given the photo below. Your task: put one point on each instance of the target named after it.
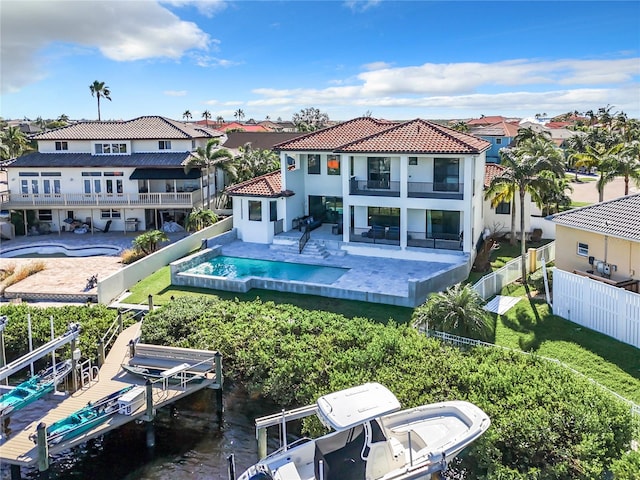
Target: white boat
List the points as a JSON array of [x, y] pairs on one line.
[[372, 439]]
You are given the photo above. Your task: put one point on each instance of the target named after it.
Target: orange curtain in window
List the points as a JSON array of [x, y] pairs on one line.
[[334, 164]]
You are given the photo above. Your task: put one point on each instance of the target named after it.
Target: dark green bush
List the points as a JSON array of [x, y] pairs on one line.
[[546, 422]]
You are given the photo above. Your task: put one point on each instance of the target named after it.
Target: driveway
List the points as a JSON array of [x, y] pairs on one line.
[[587, 191]]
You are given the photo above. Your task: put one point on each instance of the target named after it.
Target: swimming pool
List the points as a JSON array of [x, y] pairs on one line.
[[240, 268], [59, 250]]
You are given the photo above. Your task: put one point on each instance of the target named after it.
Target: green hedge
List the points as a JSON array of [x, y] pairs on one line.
[[546, 422], [94, 321]]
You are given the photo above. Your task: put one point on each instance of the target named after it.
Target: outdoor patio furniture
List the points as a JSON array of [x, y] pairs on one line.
[[376, 232], [393, 233]]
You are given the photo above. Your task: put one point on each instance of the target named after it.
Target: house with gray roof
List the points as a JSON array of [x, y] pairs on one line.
[[129, 174], [602, 239], [388, 189]]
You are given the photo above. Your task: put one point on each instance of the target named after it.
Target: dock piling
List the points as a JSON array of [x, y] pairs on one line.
[[101, 353], [43, 447], [219, 381], [150, 302], [151, 434], [231, 467], [261, 434]]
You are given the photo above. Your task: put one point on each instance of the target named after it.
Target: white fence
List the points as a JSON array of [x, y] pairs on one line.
[[463, 341], [491, 284], [606, 309], [112, 286]]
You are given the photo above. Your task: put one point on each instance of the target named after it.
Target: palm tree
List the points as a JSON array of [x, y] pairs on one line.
[[211, 156], [187, 115], [239, 114], [458, 310], [220, 119], [255, 162], [575, 146], [629, 164], [460, 126], [530, 134], [15, 142], [99, 89], [200, 218], [147, 242], [524, 165], [502, 193], [206, 115], [604, 159], [63, 119]]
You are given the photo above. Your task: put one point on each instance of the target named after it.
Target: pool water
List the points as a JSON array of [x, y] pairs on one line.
[[240, 268]]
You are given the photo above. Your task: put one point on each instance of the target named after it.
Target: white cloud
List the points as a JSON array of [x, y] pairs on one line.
[[208, 8], [523, 86], [175, 93], [121, 31], [361, 5]]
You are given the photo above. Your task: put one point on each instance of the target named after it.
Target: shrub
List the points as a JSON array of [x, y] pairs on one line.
[[547, 423], [131, 255], [6, 272], [23, 272]]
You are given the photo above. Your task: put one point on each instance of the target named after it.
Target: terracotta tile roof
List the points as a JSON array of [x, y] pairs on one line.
[[330, 138], [615, 218], [492, 170], [378, 136], [160, 160], [141, 128], [417, 136], [487, 120], [268, 185]]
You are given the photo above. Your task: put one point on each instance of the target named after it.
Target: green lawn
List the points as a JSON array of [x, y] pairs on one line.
[[528, 327], [533, 328]]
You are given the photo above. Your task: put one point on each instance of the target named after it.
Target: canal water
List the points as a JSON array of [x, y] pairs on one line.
[[190, 444]]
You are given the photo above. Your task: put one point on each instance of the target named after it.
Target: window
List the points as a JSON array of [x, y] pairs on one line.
[[583, 249], [45, 215], [503, 208], [164, 145], [110, 213], [385, 216], [313, 164], [91, 174], [50, 186], [291, 163], [273, 211], [444, 224], [498, 141], [110, 186], [110, 148], [255, 211], [333, 164], [413, 160], [446, 174], [62, 146], [379, 172]]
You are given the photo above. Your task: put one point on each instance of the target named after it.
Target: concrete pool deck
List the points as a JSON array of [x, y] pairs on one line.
[[382, 276]]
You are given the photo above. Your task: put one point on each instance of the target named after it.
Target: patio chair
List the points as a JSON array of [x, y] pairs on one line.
[[106, 227], [393, 233], [536, 235]]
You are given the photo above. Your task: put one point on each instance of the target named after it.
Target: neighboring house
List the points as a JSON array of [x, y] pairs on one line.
[[243, 127], [129, 172], [415, 186], [490, 120], [500, 135], [258, 140], [603, 238]]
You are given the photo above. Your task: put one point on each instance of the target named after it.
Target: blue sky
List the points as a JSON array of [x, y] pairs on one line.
[[393, 59]]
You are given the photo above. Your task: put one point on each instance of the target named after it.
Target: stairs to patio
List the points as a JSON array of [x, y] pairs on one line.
[[312, 250]]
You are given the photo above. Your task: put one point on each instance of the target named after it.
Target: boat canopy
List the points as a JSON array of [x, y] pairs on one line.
[[347, 408]]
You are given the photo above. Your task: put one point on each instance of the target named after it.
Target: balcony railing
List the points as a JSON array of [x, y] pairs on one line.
[[453, 191], [17, 200], [390, 236]]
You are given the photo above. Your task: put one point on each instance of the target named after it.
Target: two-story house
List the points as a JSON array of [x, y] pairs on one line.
[[414, 186], [128, 173], [500, 135]]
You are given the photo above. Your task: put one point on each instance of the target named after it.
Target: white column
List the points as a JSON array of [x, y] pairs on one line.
[[404, 189]]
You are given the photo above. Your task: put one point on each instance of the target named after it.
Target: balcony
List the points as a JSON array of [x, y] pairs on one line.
[[144, 200], [451, 191]]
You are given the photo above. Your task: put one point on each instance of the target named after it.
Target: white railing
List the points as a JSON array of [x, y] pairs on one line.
[[492, 283], [604, 308], [15, 200], [463, 341]]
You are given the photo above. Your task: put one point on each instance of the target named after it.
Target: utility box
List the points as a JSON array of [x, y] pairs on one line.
[[131, 401]]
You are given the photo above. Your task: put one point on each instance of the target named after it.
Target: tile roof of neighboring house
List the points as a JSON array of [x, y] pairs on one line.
[[141, 128], [616, 218], [54, 160], [500, 129], [418, 136], [375, 136], [242, 126], [492, 170], [330, 138], [258, 140], [487, 120], [268, 185]]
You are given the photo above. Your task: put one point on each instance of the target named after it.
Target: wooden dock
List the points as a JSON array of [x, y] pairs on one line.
[[20, 450]]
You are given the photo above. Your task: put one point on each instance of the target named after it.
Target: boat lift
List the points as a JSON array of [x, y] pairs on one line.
[[69, 336]]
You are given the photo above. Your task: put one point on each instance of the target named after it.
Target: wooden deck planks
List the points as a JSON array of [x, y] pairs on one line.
[[20, 450]]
